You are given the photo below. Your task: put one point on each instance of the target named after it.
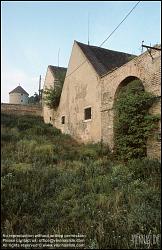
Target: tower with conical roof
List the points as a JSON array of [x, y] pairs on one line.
[[18, 96]]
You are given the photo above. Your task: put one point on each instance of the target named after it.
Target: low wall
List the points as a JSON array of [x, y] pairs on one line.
[[20, 109]]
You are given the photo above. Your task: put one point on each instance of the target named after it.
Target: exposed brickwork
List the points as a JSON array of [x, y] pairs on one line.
[[21, 109], [149, 72]]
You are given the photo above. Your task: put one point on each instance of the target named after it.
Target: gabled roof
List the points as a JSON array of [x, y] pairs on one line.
[[55, 70], [20, 90], [104, 60]]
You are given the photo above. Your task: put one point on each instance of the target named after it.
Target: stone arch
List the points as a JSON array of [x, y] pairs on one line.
[[149, 72], [124, 83]]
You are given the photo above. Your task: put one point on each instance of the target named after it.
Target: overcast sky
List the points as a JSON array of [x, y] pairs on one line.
[[33, 32]]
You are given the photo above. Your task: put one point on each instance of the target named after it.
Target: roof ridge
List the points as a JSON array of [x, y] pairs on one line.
[[104, 60], [57, 66], [94, 46], [93, 56], [55, 70]]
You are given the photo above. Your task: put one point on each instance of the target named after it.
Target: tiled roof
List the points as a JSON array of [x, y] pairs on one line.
[[57, 70], [20, 90], [104, 60]]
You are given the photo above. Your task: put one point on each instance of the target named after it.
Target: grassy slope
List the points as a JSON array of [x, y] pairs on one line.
[[51, 184]]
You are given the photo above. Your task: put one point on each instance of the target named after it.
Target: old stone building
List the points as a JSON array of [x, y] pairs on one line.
[[18, 96], [93, 79]]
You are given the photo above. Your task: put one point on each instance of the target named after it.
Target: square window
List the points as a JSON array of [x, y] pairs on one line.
[[63, 119], [87, 113], [21, 100]]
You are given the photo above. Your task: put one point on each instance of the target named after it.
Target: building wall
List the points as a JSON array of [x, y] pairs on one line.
[[81, 90], [18, 98], [148, 71], [48, 113], [84, 88], [21, 109]]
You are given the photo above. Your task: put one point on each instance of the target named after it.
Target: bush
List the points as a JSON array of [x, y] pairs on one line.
[[133, 123], [53, 185]]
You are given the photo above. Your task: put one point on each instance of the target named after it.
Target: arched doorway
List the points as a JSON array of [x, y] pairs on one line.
[[125, 82], [129, 141]]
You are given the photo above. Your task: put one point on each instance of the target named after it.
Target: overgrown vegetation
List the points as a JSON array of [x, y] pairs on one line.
[[53, 185], [52, 95], [133, 123]]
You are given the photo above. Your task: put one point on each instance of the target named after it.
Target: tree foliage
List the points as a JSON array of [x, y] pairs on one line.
[[133, 123], [35, 99], [52, 95]]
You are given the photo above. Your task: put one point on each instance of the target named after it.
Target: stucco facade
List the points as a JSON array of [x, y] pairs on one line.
[[81, 90], [84, 87]]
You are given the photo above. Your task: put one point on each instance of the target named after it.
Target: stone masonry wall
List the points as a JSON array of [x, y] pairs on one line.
[[21, 109], [149, 72]]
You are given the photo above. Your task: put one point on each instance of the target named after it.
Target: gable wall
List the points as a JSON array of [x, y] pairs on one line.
[[81, 89], [49, 82]]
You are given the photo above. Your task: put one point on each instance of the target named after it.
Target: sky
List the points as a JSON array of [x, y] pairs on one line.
[[33, 32]]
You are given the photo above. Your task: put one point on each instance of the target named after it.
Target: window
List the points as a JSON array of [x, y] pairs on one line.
[[21, 100], [87, 113], [63, 119], [21, 94], [50, 118]]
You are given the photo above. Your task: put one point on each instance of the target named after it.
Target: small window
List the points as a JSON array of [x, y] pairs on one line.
[[87, 114], [63, 119], [21, 100], [50, 118], [21, 94]]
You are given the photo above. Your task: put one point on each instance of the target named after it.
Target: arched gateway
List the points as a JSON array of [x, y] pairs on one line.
[[147, 70]]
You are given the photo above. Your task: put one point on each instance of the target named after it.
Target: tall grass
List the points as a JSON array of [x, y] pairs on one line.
[[52, 184]]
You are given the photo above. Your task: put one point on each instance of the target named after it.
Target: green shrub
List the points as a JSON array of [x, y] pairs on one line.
[[52, 95], [53, 185], [133, 123], [94, 151], [145, 168]]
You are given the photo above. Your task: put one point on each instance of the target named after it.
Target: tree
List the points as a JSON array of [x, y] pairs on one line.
[[34, 99], [52, 95]]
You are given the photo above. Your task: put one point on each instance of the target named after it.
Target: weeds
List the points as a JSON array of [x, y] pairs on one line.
[[50, 183]]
